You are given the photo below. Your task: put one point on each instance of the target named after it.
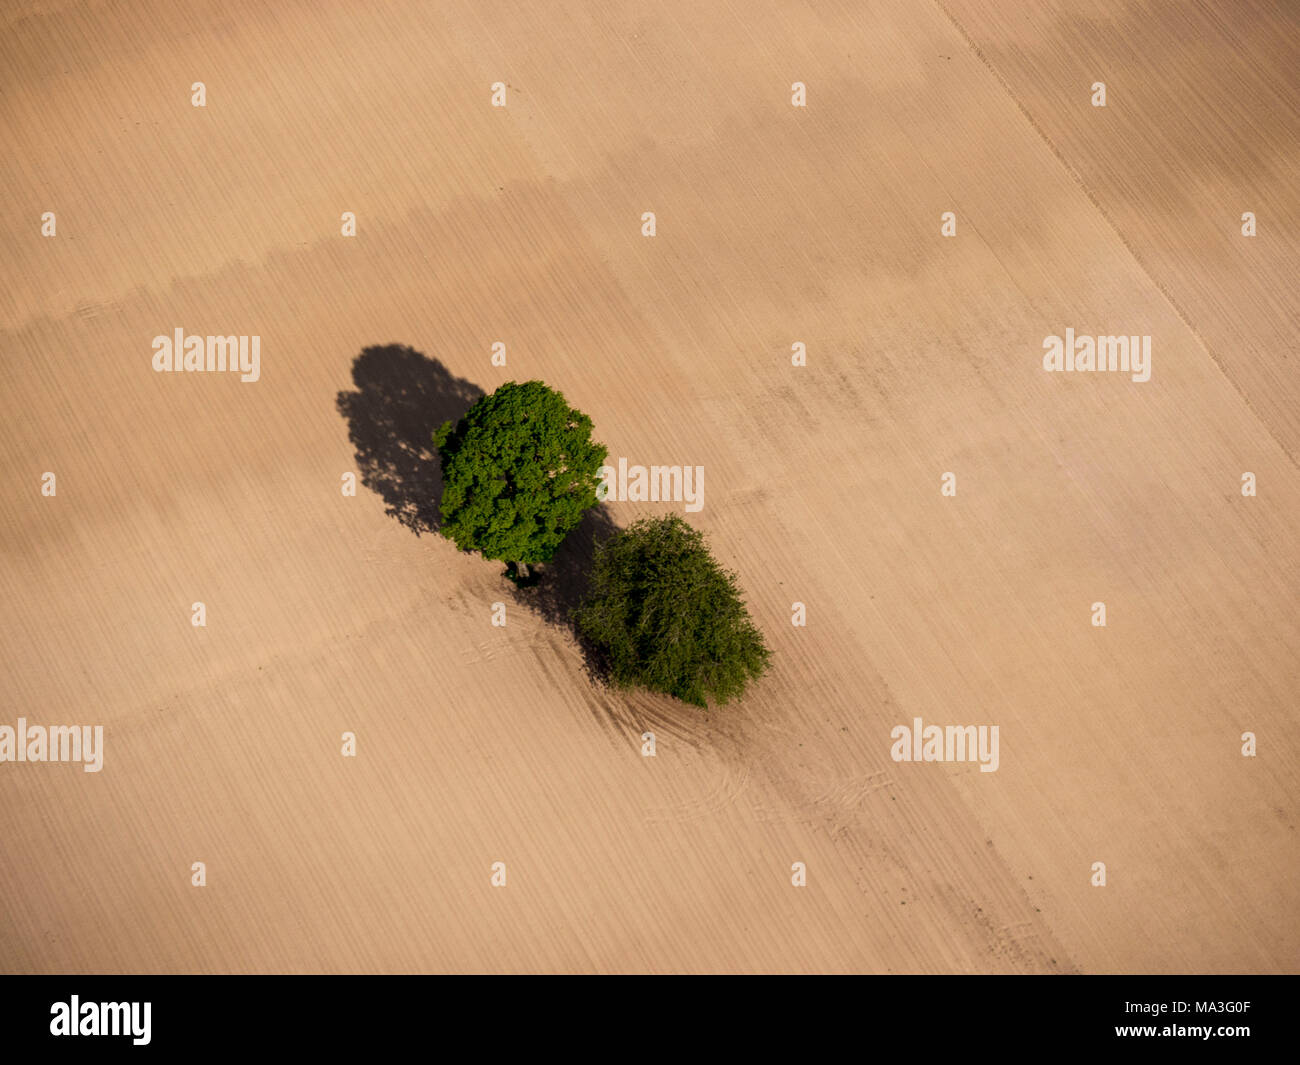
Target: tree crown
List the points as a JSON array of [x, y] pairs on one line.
[[519, 470], [668, 617]]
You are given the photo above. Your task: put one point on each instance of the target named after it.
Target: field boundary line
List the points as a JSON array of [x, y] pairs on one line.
[[1101, 210]]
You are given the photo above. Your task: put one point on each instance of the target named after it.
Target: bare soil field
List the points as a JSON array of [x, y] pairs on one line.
[[774, 225]]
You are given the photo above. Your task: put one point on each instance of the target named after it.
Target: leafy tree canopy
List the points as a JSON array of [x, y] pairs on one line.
[[519, 470], [668, 617]]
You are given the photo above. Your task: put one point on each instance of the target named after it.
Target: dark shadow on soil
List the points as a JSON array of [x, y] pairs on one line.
[[401, 397], [562, 583]]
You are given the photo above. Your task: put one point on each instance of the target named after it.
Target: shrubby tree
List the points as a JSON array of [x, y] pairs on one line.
[[668, 617], [519, 470]]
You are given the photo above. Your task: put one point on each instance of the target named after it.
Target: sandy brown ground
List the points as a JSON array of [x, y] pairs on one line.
[[481, 744]]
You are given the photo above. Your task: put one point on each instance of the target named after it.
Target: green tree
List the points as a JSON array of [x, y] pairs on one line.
[[519, 470], [668, 617]]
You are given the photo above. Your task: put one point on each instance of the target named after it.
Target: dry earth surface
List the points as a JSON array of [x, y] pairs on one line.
[[775, 224]]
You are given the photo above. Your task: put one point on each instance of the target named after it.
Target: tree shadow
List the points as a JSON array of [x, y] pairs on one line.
[[563, 582], [402, 396]]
